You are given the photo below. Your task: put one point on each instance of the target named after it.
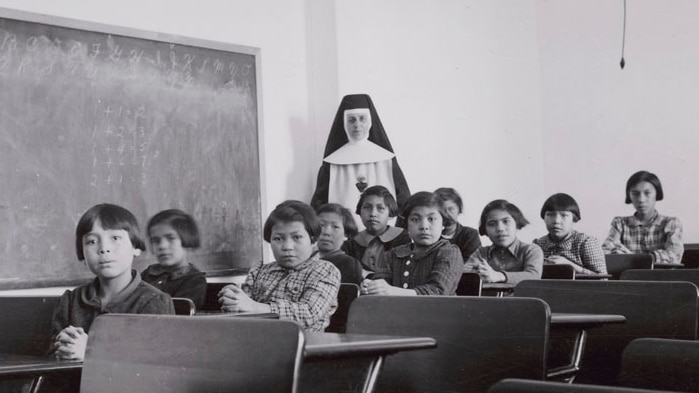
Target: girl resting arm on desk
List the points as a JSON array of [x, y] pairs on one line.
[[299, 286], [646, 231], [564, 245], [508, 259]]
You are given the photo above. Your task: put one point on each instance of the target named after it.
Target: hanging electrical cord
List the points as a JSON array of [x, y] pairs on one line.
[[623, 39]]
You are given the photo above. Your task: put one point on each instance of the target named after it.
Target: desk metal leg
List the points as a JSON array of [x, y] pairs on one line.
[[36, 384], [568, 372], [373, 374]]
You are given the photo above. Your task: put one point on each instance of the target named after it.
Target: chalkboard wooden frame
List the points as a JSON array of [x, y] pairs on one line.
[[235, 221]]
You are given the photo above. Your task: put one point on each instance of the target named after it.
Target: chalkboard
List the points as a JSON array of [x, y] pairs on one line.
[[101, 114]]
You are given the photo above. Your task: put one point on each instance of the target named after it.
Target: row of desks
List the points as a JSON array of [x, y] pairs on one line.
[[322, 347]]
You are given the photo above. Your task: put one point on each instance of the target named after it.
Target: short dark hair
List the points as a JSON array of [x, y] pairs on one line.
[[379, 191], [111, 217], [450, 194], [561, 202], [293, 211], [646, 176], [501, 204], [348, 223], [181, 222], [426, 199]]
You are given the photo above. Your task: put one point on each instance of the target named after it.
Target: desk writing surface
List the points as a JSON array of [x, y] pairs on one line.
[[23, 365], [583, 319], [93, 114], [321, 345]]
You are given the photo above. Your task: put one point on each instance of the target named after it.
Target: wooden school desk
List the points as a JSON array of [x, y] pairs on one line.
[[34, 367], [219, 313], [652, 309], [497, 289], [578, 323], [365, 353], [592, 276]]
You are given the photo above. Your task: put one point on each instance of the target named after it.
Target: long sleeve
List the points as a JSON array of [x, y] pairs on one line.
[[445, 274], [158, 304], [402, 189], [192, 287], [320, 196], [61, 314], [319, 299], [307, 295], [613, 243], [592, 256], [673, 247], [532, 265]]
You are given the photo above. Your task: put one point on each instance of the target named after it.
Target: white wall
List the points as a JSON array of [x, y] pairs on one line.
[[456, 84], [601, 124]]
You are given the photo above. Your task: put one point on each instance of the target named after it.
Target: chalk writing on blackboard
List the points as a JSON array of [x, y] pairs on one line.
[[90, 116]]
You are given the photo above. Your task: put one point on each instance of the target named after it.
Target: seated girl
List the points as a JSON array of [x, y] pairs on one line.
[[563, 244], [173, 233], [429, 265], [466, 238], [376, 205], [508, 259], [646, 231], [298, 286], [336, 225], [107, 239]]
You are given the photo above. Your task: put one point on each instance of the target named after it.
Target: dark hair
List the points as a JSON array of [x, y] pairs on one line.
[[561, 202], [348, 223], [646, 176], [450, 194], [379, 191], [293, 211], [110, 217], [501, 204], [426, 199], [181, 222]]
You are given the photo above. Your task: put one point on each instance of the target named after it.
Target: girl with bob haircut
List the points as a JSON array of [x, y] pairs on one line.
[[298, 285], [563, 244], [107, 239], [466, 238], [508, 259], [337, 224], [376, 205], [173, 233], [429, 265], [646, 231]]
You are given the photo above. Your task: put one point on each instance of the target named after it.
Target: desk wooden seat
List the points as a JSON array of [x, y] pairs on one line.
[[528, 386], [479, 340], [211, 299], [691, 275], [184, 306], [557, 272], [617, 263], [26, 330], [469, 284], [345, 296], [690, 258], [26, 324], [652, 309], [654, 363], [171, 354]]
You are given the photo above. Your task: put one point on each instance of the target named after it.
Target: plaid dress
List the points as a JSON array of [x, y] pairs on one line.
[[307, 295], [661, 237], [579, 248]]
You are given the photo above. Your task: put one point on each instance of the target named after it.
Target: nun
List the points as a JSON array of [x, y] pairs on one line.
[[357, 155]]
